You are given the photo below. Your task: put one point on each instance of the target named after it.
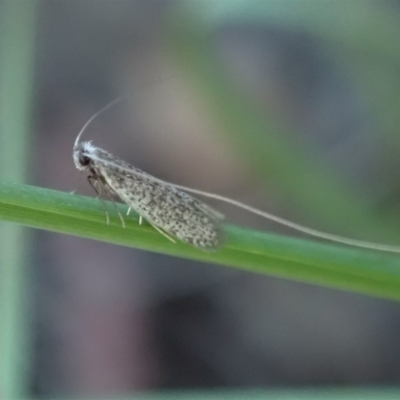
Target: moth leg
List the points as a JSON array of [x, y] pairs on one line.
[[140, 217], [115, 206], [94, 181], [118, 212], [163, 233]]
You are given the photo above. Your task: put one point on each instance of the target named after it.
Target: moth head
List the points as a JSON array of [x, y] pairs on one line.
[[82, 153]]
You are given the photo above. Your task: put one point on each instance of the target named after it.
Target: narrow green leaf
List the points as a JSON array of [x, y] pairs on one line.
[[341, 267]]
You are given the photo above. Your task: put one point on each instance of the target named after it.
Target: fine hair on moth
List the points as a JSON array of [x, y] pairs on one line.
[[167, 206]]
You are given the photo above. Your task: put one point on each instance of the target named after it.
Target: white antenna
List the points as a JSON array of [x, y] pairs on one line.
[[113, 103], [91, 119]]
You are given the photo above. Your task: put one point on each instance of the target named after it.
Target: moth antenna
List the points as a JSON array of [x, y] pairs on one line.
[[113, 103], [91, 119]]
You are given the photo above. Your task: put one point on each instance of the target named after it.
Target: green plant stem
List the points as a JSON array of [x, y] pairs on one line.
[[324, 264], [17, 35]]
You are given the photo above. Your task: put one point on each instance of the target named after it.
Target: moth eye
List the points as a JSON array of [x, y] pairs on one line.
[[84, 160]]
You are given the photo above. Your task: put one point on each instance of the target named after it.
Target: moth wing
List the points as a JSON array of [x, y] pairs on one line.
[[163, 205], [205, 208], [202, 227]]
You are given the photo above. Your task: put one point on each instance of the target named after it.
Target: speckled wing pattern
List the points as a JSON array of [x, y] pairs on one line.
[[161, 204]]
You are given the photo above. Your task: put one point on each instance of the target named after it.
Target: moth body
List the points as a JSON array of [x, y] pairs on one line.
[[164, 206]]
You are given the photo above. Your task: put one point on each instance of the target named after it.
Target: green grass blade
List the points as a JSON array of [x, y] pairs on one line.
[[341, 267]]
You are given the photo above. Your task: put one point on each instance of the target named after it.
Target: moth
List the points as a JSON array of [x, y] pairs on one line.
[[167, 207], [171, 211]]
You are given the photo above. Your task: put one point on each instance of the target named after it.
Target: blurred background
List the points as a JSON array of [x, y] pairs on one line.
[[291, 106]]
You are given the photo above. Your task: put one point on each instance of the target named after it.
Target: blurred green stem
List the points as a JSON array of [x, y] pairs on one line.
[[17, 33]]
